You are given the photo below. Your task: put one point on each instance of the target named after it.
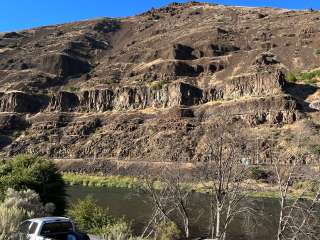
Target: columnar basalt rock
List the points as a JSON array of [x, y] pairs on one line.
[[20, 102], [256, 84], [182, 94], [129, 98], [64, 102], [96, 100], [141, 97], [276, 110], [213, 94]]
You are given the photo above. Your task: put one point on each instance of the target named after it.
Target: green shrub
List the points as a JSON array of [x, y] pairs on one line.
[[120, 230], [306, 77], [117, 231], [167, 231], [91, 218], [88, 216], [17, 207], [291, 77], [309, 77], [35, 173], [10, 218], [28, 201]]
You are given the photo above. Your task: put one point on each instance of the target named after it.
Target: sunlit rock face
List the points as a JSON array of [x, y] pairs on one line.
[[147, 87]]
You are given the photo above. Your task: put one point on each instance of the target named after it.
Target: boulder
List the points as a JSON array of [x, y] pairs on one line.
[[106, 26], [63, 65]]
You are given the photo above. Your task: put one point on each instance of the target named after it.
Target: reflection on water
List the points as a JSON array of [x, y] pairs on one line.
[[136, 206]]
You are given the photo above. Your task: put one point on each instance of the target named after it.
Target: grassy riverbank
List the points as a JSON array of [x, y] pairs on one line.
[[102, 181], [136, 183], [257, 189]]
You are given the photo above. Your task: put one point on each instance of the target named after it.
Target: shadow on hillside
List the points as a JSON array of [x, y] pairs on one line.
[[301, 92]]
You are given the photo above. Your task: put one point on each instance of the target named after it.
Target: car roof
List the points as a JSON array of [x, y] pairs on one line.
[[49, 219]]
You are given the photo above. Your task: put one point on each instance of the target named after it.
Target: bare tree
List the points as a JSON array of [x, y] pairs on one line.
[[298, 211], [223, 173], [170, 195]]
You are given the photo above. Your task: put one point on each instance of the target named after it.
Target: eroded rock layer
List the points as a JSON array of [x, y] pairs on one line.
[[146, 88]]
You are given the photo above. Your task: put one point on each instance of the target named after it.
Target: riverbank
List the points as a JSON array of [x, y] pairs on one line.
[[102, 181], [257, 189], [254, 188]]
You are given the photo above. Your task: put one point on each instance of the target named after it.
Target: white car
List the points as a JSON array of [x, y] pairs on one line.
[[57, 228]]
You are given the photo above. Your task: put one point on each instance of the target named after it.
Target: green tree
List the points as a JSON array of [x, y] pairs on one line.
[[88, 216], [35, 173]]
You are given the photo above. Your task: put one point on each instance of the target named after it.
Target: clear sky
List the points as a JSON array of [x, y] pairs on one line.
[[23, 14]]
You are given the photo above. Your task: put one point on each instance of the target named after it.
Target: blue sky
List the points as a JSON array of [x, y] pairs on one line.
[[23, 14]]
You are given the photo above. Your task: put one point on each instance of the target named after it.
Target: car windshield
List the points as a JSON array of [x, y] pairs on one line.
[[56, 228]]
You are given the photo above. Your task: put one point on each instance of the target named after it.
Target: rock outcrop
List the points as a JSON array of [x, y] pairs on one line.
[[21, 102], [277, 110], [147, 88], [64, 102], [96, 100], [63, 65], [140, 97], [256, 84]]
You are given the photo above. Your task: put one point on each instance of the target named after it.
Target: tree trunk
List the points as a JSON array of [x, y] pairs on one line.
[[280, 225], [187, 228], [218, 221], [212, 220]]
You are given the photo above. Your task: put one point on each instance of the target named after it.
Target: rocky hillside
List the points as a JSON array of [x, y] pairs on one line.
[[145, 88]]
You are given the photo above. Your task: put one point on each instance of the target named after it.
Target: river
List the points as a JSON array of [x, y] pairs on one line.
[[136, 207]]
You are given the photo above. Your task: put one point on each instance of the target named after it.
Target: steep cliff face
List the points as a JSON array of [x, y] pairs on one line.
[[162, 95], [126, 98], [21, 102], [63, 102], [255, 111], [147, 87], [256, 84]]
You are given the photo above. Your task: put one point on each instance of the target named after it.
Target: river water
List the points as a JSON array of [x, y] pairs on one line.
[[136, 207]]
